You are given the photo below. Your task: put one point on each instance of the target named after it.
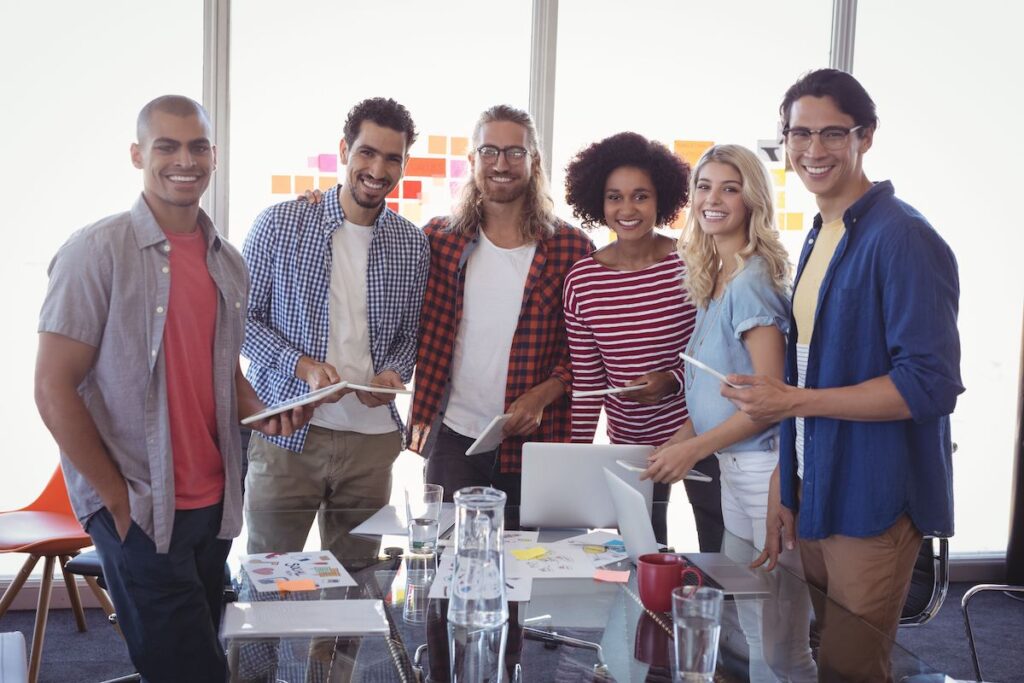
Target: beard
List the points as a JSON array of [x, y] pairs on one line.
[[503, 194]]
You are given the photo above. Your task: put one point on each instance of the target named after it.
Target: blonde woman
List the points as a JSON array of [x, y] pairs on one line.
[[738, 278]]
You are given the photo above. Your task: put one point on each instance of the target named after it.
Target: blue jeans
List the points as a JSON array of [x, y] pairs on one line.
[[168, 605]]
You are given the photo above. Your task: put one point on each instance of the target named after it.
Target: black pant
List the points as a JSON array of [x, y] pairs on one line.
[[168, 605], [448, 465], [706, 501]]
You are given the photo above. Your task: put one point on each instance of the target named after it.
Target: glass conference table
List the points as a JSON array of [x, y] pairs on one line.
[[570, 629]]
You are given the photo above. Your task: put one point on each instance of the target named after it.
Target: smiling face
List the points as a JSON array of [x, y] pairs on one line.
[[718, 201], [500, 180], [630, 203], [374, 164], [177, 159], [833, 176]]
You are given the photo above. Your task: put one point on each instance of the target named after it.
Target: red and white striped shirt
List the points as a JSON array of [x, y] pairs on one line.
[[621, 325]]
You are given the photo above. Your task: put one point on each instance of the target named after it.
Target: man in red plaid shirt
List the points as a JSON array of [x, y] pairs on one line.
[[492, 335]]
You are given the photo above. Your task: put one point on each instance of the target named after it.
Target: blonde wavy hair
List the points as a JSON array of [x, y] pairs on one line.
[[697, 248], [538, 209]]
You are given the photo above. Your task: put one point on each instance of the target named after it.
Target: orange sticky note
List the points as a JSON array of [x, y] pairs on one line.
[[297, 585], [611, 576], [303, 183], [280, 184]]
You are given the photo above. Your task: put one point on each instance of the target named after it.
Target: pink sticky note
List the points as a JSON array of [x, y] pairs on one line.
[[611, 576], [296, 585], [328, 163], [313, 162], [458, 168]]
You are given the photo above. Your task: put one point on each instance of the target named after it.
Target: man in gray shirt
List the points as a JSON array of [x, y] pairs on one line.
[[137, 378]]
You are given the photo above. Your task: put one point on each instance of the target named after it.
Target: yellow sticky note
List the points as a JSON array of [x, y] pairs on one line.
[[593, 549], [691, 150], [780, 200], [529, 553], [611, 576], [437, 144], [795, 221], [779, 177], [297, 585], [281, 184]]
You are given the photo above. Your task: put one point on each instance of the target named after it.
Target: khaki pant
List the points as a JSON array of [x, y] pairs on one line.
[[870, 578], [346, 476]]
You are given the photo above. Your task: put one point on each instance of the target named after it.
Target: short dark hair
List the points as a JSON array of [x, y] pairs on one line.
[[383, 111], [587, 173], [178, 105], [845, 90]]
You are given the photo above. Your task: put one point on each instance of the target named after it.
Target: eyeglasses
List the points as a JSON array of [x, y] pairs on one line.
[[832, 137], [490, 153]]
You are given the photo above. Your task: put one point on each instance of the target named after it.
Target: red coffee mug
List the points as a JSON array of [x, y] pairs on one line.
[[658, 574]]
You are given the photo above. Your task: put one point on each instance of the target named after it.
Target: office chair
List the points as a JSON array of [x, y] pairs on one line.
[[928, 584], [981, 588]]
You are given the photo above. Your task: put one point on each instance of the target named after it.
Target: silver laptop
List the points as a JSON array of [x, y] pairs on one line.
[[563, 484], [733, 577]]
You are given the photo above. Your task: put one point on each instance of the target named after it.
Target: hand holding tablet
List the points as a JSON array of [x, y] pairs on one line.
[[314, 396], [692, 475], [609, 390]]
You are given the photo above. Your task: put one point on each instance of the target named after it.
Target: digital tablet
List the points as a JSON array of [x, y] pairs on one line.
[[491, 438], [711, 371], [377, 390], [609, 390], [692, 475], [298, 401]]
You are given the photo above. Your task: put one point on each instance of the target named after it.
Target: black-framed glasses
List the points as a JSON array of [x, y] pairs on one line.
[[513, 155], [832, 137]]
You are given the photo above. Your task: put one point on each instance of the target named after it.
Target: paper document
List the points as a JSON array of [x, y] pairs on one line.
[[516, 589], [561, 561], [491, 438], [297, 618], [321, 567], [389, 521]]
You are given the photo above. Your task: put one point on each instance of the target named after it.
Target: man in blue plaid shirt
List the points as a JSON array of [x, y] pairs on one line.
[[336, 294]]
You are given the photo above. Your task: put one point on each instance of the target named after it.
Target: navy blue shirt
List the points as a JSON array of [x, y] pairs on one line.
[[887, 306]]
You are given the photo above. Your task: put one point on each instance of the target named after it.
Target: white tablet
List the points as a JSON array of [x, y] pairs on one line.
[[377, 390], [692, 475], [298, 401], [491, 438], [711, 371], [609, 390]]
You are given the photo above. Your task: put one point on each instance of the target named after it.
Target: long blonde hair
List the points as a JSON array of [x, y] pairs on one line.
[[538, 209], [698, 248]]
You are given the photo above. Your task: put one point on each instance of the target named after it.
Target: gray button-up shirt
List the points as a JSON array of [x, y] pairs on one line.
[[109, 288]]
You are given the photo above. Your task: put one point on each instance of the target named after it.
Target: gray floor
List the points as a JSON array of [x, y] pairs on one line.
[[99, 654]]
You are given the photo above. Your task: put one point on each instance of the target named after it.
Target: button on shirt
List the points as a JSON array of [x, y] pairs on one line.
[[109, 288], [887, 306]]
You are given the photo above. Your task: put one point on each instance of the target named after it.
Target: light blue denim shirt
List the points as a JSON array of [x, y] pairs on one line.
[[750, 300]]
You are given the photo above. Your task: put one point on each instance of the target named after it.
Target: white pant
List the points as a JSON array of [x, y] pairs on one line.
[[776, 628]]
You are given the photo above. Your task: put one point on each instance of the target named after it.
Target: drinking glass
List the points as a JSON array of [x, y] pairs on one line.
[[697, 616], [423, 510]]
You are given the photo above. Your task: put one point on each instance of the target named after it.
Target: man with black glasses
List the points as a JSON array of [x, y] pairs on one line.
[[492, 334], [872, 375]]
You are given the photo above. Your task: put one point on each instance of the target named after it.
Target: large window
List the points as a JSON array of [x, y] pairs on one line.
[[74, 77], [949, 100]]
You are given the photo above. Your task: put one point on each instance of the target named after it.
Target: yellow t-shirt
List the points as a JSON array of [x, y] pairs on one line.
[[805, 298]]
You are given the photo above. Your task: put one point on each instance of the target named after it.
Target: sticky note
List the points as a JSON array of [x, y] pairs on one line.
[[413, 211], [529, 553], [780, 199], [615, 544], [611, 576], [326, 182], [393, 206], [460, 146], [286, 586], [458, 168], [313, 162], [795, 221], [281, 184], [425, 167], [690, 150], [328, 163], [593, 549], [412, 189], [779, 177], [437, 144], [303, 183]]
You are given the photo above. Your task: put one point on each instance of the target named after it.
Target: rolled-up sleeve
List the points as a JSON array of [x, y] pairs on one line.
[[920, 305]]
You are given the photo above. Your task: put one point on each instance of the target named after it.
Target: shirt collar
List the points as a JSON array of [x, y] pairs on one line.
[[860, 207], [333, 210], [148, 232]]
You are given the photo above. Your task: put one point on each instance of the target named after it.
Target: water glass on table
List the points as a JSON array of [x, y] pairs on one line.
[[697, 617], [423, 510]]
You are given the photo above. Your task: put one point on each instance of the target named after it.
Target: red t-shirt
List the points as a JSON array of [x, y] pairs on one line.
[[188, 354]]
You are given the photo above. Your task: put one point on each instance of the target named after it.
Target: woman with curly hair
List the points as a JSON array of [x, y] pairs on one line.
[[626, 313], [738, 277]]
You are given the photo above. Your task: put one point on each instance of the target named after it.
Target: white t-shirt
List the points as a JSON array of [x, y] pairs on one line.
[[493, 298], [348, 340]]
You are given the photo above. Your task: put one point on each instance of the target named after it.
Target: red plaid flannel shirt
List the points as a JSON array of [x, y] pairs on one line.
[[539, 347]]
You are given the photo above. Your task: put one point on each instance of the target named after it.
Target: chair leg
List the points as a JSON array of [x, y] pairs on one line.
[[42, 610], [19, 581], [73, 597], [101, 597]]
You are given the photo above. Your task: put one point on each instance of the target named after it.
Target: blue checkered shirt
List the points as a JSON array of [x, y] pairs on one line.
[[288, 252]]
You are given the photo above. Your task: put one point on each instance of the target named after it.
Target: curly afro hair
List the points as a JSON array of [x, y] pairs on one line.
[[383, 111], [587, 173]]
